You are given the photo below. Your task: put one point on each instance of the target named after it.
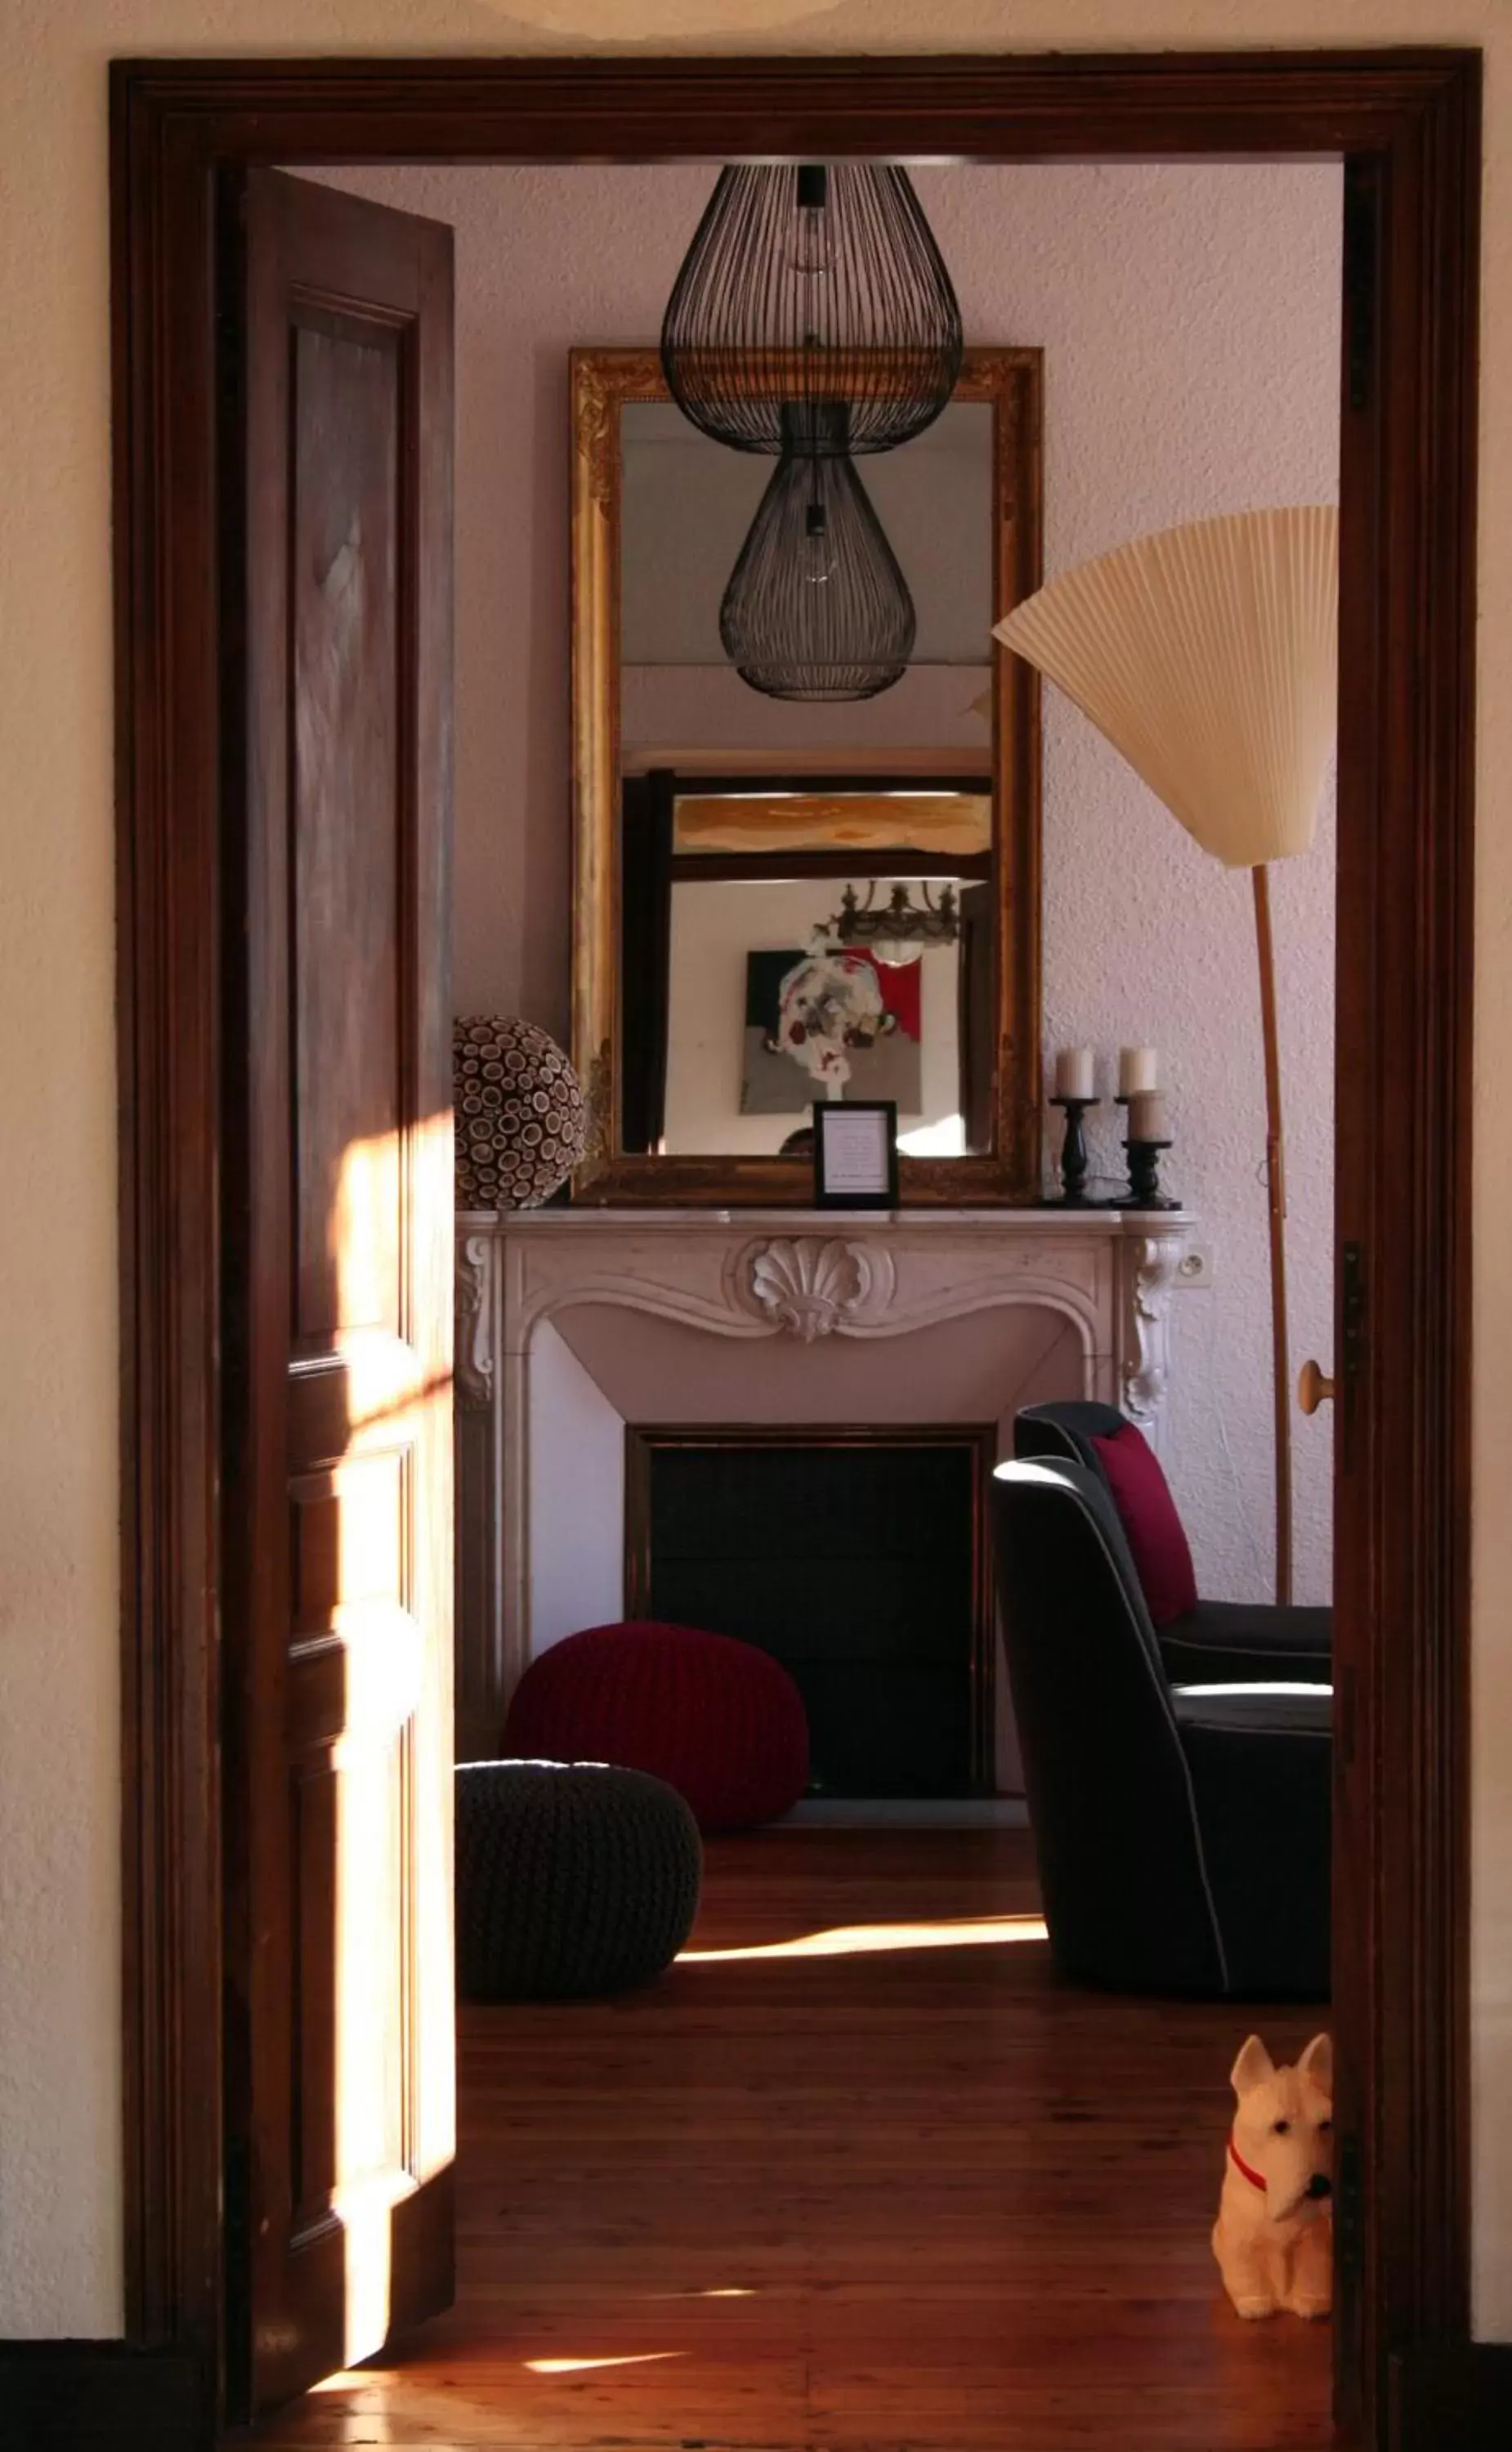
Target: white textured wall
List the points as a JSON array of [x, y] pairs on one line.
[[59, 1908], [1189, 319]]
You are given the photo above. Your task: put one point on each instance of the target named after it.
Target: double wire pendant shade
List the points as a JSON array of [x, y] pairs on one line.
[[813, 320]]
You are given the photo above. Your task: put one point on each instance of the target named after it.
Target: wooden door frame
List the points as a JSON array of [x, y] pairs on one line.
[[1407, 124]]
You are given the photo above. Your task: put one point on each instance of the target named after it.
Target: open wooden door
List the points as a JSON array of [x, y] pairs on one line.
[[338, 1186]]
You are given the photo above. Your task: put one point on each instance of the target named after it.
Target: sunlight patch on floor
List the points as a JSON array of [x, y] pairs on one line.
[[853, 1940], [731, 2291], [576, 2366]]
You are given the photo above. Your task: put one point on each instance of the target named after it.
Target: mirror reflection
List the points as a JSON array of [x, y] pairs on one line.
[[787, 941], [793, 936]]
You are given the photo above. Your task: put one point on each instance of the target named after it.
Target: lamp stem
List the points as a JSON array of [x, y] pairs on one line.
[[1276, 1188]]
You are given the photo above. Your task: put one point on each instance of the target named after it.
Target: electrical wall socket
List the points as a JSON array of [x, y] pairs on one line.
[[1195, 1268]]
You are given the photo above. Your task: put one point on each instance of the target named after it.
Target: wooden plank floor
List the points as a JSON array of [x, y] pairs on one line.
[[900, 2199]]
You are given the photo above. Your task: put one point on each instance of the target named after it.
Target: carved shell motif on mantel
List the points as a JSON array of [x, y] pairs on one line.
[[810, 1285]]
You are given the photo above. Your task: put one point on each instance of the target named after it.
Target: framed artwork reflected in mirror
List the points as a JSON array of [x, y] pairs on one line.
[[799, 878]]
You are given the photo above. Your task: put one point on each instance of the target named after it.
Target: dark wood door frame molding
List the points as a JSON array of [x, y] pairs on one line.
[[1407, 123]]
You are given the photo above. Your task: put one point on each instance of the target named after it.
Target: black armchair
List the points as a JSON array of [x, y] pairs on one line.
[[1257, 1642], [1183, 1833]]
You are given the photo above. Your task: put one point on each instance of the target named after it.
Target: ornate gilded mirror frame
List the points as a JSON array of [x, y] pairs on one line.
[[604, 383]]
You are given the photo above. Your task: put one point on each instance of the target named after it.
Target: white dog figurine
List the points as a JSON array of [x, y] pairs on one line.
[[1273, 2237]]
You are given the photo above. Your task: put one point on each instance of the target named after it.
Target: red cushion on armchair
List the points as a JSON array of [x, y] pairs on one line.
[[1152, 1528], [720, 1721]]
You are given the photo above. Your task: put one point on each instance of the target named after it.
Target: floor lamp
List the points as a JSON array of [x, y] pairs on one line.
[[1209, 656]]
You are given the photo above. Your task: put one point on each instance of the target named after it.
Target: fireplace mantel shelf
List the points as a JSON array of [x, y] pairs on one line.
[[812, 1272], [1001, 1221], [803, 1278]]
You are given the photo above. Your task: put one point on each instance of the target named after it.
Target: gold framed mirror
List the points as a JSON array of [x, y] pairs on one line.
[[722, 830]]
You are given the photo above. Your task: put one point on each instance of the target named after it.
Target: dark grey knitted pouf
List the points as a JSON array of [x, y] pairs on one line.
[[572, 1878]]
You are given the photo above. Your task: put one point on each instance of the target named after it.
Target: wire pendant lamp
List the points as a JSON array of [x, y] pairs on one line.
[[808, 285], [818, 606]]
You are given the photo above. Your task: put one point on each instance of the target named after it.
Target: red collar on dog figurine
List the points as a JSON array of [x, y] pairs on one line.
[[1256, 2179]]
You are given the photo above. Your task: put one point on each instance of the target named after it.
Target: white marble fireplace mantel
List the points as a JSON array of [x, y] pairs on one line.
[[792, 1279]]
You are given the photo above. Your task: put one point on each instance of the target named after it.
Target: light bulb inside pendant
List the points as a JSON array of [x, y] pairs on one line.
[[818, 561], [813, 241]]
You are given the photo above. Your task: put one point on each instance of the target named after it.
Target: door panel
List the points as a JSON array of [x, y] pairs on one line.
[[339, 1509], [347, 409]]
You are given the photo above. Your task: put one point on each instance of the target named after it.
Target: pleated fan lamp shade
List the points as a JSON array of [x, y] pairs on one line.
[[1209, 656], [809, 284]]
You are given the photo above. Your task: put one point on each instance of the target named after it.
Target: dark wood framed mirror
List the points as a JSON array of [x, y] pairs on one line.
[[738, 855]]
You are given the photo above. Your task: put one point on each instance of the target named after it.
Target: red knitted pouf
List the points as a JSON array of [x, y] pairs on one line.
[[720, 1721]]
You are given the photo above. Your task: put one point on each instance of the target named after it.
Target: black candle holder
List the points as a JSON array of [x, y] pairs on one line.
[[1073, 1155], [1144, 1175]]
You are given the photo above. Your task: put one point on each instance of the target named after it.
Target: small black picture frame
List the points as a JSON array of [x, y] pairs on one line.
[[856, 1154]]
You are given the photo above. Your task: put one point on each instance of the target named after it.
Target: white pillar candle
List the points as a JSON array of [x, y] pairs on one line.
[[1146, 1117], [1073, 1072], [1138, 1069]]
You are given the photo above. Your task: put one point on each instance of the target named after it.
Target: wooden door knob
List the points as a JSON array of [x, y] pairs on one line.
[[1313, 1389]]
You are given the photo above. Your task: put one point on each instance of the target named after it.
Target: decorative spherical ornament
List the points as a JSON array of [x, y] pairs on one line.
[[521, 1117]]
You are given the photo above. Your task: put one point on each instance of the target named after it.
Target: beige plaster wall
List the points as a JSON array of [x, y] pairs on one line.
[[60, 2263]]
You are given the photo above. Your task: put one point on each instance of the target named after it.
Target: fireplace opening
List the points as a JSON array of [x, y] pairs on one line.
[[859, 1559]]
